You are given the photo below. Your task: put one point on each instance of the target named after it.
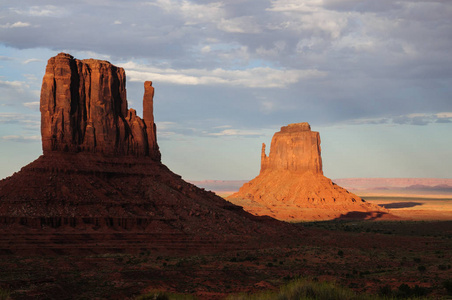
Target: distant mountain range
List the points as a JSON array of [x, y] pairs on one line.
[[436, 185]]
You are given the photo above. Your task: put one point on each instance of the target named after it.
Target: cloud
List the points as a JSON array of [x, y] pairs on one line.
[[327, 61], [6, 58], [18, 24], [30, 60], [252, 78], [191, 12], [21, 139], [12, 84], [236, 133], [41, 11], [419, 119], [245, 24], [27, 121], [32, 105]]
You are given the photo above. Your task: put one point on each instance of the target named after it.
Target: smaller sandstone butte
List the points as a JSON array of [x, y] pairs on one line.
[[84, 109], [291, 185], [295, 148]]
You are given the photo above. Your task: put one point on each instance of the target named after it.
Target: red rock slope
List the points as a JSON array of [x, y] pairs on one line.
[[100, 185], [291, 185]]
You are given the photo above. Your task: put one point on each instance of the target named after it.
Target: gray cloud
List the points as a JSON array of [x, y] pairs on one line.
[[419, 119], [248, 62]]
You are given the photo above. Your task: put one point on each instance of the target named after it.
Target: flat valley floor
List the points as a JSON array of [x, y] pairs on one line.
[[369, 257]]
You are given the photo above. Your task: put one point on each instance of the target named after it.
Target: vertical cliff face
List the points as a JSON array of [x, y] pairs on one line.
[[295, 148], [84, 109]]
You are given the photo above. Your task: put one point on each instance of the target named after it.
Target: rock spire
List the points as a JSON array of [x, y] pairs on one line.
[[84, 109]]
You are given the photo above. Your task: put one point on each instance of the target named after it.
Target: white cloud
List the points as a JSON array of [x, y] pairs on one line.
[[32, 105], [12, 84], [444, 115], [192, 13], [295, 5], [262, 77], [206, 49], [14, 118], [245, 24], [236, 132], [27, 61], [16, 25], [41, 11], [22, 138]]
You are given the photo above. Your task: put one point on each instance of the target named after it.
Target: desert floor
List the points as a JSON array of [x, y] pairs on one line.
[[366, 256]]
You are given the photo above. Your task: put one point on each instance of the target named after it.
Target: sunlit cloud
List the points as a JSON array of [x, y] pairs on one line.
[[12, 84], [263, 77], [15, 25], [21, 138], [30, 60], [236, 133]]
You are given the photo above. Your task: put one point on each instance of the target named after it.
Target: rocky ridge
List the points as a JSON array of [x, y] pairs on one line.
[[291, 185]]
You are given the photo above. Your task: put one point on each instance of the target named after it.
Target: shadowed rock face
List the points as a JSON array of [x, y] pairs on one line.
[[84, 109], [291, 185]]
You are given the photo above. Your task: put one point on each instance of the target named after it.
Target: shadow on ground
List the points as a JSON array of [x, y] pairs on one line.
[[362, 215], [400, 204]]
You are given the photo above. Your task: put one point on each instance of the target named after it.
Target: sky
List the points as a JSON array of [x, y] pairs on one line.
[[373, 77]]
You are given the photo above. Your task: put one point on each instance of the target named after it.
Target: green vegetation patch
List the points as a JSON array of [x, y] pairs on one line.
[[160, 295], [301, 289]]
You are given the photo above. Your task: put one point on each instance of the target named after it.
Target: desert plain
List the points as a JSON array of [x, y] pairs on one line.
[[99, 216], [408, 257]]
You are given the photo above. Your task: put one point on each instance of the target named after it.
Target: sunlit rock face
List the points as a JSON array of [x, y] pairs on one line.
[[291, 185], [295, 148], [84, 109]]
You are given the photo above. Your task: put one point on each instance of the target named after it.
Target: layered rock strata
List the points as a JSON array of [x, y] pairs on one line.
[[100, 186], [291, 185]]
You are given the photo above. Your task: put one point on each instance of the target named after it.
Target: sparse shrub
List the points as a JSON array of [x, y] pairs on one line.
[[301, 289], [448, 286], [385, 291], [422, 269], [4, 294], [340, 253], [442, 267], [405, 291], [159, 295]]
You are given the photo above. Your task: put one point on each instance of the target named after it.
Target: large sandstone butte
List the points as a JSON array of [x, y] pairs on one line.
[[100, 186], [84, 109], [291, 185]]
